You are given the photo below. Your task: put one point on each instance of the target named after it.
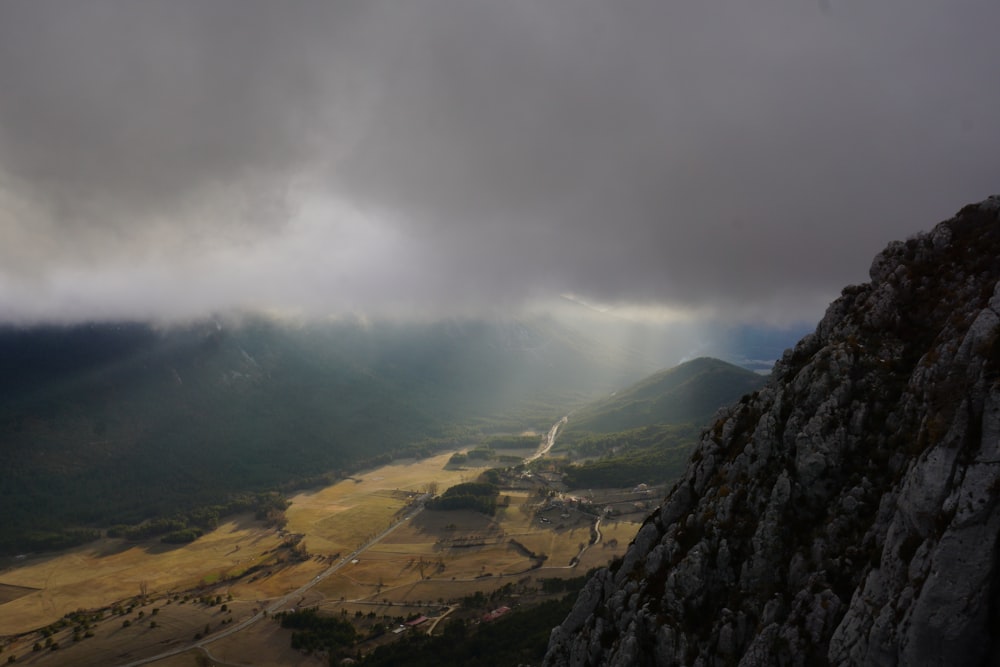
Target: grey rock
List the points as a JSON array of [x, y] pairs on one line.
[[848, 513]]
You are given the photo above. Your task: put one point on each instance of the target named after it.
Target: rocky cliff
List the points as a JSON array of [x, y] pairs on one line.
[[848, 512]]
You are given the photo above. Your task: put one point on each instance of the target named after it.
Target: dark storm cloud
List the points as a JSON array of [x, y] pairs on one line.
[[171, 157], [121, 111]]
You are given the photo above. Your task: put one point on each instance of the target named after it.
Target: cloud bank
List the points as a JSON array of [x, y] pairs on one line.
[[726, 159]]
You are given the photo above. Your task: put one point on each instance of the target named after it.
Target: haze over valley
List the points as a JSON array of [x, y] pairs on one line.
[[461, 332]]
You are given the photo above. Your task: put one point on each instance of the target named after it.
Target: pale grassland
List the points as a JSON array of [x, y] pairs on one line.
[[435, 556], [448, 555], [281, 580], [100, 573], [112, 643], [333, 519], [338, 518]]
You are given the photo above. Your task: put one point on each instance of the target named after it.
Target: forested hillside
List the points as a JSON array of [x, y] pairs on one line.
[[688, 393], [106, 424], [645, 432]]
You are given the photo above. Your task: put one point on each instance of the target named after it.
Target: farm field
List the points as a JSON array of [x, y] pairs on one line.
[[339, 518], [39, 590], [427, 562], [108, 570]]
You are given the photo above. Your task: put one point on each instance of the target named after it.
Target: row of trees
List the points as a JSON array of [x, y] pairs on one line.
[[478, 496], [186, 527], [312, 632]]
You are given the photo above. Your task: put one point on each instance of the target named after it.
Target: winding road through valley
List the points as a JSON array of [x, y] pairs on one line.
[[279, 603], [550, 440]]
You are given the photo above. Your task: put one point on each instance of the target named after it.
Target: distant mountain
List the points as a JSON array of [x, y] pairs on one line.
[[645, 433], [755, 347], [848, 513], [689, 393], [110, 423]]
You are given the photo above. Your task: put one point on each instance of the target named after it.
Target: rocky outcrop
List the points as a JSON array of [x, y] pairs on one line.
[[847, 513]]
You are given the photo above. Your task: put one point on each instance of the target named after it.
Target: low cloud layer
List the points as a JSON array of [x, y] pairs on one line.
[[723, 159]]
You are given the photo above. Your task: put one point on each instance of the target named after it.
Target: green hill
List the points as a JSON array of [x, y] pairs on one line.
[[645, 433], [688, 393]]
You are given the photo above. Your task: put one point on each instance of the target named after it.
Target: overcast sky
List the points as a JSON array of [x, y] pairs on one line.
[[736, 158]]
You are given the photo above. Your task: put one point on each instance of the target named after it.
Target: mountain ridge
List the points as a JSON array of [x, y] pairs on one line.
[[688, 392], [848, 512], [117, 423], [645, 432]]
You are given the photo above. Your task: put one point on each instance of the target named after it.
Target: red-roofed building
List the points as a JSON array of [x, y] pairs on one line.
[[495, 614]]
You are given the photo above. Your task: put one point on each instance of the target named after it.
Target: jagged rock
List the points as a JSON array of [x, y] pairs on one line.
[[848, 513]]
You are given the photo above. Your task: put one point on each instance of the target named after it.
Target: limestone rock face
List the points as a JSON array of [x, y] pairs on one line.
[[848, 513]]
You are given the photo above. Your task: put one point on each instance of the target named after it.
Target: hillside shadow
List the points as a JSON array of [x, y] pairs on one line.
[[116, 546], [245, 521], [439, 522], [113, 546]]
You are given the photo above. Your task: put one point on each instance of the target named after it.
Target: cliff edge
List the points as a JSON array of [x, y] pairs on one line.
[[848, 513]]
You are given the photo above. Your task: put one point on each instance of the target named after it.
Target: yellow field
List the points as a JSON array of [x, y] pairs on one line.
[[338, 518], [41, 590], [448, 555], [435, 557], [103, 572], [176, 623]]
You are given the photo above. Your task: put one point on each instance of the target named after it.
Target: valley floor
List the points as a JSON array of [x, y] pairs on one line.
[[425, 566]]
